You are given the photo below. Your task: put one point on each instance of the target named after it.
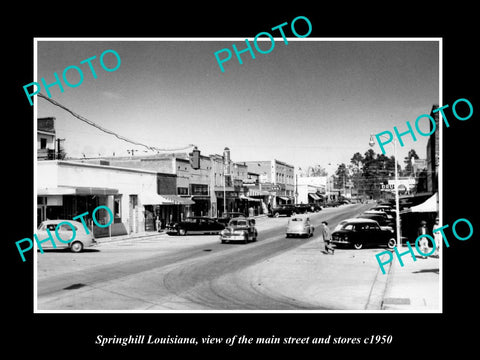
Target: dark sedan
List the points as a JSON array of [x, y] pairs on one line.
[[229, 216], [359, 232], [287, 210], [195, 225]]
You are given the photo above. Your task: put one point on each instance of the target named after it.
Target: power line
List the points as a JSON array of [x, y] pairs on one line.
[[89, 122]]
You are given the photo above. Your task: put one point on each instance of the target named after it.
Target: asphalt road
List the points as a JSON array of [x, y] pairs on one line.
[[172, 273]]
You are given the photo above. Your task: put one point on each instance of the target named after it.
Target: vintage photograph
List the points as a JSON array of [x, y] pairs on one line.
[[238, 174]]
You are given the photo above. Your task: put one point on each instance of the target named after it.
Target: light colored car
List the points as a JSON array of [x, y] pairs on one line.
[[239, 229], [78, 243], [299, 226]]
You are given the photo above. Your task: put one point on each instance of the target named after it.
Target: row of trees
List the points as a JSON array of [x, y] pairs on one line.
[[367, 172]]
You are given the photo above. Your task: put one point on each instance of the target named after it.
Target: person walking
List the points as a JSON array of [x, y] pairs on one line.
[[437, 236], [327, 237], [422, 230]]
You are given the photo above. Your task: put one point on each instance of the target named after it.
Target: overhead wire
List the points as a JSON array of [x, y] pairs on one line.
[[101, 128]]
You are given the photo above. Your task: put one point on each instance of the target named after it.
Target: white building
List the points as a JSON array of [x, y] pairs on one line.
[[311, 189], [66, 189]]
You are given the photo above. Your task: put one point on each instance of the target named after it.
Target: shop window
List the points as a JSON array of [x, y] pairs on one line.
[[117, 207]]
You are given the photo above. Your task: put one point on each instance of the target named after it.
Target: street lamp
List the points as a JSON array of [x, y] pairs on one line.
[[397, 203]]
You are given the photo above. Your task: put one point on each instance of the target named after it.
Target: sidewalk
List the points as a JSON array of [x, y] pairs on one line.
[[415, 287], [350, 280], [145, 234]]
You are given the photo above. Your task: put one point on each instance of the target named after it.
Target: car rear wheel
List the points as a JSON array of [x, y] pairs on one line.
[[245, 239], [182, 232], [391, 243], [76, 247], [358, 246], [277, 214]]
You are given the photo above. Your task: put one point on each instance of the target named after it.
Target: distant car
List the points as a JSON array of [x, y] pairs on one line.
[[386, 209], [381, 217], [228, 216], [287, 209], [80, 242], [359, 232], [299, 226], [195, 225], [302, 208], [239, 229], [332, 204], [315, 207]]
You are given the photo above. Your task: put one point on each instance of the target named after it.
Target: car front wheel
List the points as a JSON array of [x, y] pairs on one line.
[[391, 243], [182, 232], [77, 247], [358, 246]]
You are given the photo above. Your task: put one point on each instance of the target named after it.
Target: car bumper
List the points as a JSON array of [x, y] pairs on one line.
[[340, 242], [293, 233], [235, 237]]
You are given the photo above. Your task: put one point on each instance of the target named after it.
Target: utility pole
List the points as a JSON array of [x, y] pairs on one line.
[[58, 149]]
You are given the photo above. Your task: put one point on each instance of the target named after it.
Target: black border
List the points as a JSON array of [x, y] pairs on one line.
[[413, 333]]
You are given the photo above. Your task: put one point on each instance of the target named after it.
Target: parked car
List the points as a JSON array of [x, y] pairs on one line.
[[239, 229], [287, 209], [299, 226], [386, 209], [302, 208], [228, 216], [379, 216], [359, 232], [315, 207], [79, 242], [195, 225], [332, 204]]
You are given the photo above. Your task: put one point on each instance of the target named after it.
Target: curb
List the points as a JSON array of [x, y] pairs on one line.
[[380, 286]]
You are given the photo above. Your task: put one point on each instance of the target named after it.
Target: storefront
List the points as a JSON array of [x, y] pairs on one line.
[[66, 189], [163, 209]]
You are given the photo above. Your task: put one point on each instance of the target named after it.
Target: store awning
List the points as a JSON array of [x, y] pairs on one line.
[[249, 198], [314, 196], [76, 190], [430, 205], [252, 192], [156, 199]]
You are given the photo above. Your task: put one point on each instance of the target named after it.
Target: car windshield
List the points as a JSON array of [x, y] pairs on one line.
[[190, 220], [340, 226], [238, 223]]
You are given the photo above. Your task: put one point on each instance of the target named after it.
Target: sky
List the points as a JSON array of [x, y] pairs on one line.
[[311, 102]]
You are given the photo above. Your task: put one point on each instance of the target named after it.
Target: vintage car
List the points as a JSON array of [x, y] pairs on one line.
[[299, 226], [80, 241], [226, 217], [195, 225], [286, 209], [360, 232], [379, 216], [239, 229], [302, 208]]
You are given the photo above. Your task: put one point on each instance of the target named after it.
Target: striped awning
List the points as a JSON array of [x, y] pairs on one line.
[[76, 190], [252, 192], [156, 199]]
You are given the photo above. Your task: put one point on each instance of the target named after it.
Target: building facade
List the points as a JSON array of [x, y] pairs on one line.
[[138, 198], [276, 177]]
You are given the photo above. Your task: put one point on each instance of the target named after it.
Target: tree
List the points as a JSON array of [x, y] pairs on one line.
[[408, 171], [341, 176], [316, 170]]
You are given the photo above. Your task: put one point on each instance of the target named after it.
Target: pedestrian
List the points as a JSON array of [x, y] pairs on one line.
[[437, 236], [422, 230], [327, 237]]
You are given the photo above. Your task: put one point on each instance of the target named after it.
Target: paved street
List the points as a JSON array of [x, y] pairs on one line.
[[164, 272]]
